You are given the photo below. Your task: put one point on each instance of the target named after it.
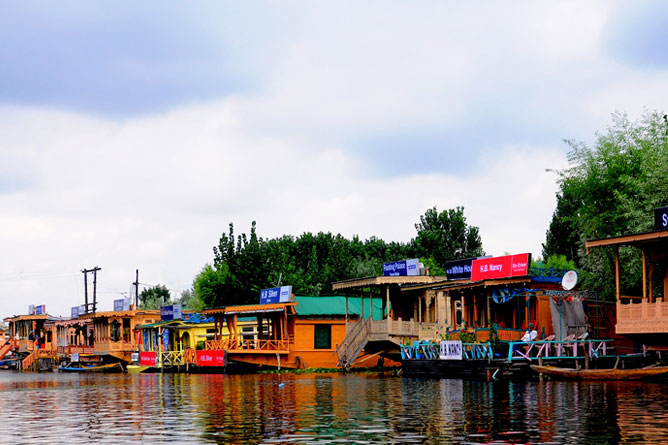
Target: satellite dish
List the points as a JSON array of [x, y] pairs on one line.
[[569, 280]]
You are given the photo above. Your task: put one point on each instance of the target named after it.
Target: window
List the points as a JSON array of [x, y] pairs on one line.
[[126, 330], [323, 336], [115, 330]]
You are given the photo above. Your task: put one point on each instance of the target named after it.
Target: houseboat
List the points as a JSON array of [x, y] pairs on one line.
[[642, 314], [114, 333], [498, 297], [303, 332], [32, 341], [175, 344]]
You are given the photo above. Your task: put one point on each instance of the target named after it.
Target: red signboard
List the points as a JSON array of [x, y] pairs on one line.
[[211, 358], [147, 358], [501, 267]]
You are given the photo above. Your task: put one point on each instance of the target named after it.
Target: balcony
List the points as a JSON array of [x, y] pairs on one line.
[[643, 317]]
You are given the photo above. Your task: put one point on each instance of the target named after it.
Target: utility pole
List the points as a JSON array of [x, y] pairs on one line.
[[94, 303], [136, 283]]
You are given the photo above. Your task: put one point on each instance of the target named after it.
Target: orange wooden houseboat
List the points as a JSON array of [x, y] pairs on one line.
[[303, 333], [115, 334], [32, 339]]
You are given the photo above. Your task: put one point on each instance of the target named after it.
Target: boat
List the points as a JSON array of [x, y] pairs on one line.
[[111, 367], [136, 369], [602, 374]]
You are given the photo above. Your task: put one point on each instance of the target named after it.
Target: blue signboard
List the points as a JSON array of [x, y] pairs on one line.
[[276, 295], [75, 312], [123, 304], [171, 312], [402, 268], [661, 218], [40, 310], [459, 269]]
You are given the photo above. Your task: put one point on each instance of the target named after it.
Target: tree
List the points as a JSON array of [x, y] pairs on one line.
[[154, 297], [212, 285], [190, 301], [445, 236], [610, 189]]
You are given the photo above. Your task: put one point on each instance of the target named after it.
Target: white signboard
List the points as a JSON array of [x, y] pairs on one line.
[[135, 357], [74, 357], [451, 350]]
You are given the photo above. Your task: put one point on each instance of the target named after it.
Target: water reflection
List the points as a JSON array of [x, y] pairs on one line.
[[324, 408]]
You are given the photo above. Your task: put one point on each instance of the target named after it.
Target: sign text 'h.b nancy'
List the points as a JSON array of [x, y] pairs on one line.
[[501, 267]]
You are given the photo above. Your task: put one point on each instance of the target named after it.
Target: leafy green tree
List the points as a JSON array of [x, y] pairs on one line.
[[190, 301], [610, 189], [445, 236], [153, 297], [310, 263], [212, 285]]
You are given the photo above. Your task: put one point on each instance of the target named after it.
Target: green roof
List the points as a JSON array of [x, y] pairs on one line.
[[314, 306]]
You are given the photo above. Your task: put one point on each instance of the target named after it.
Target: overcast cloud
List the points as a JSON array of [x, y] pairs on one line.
[[131, 135]]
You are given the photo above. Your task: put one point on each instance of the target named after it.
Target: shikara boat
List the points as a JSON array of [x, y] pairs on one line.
[[136, 369], [602, 374], [75, 367]]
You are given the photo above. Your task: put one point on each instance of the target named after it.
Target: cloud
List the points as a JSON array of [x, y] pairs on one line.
[[156, 193], [132, 136]]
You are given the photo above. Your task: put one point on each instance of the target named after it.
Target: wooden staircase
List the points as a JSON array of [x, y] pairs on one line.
[[4, 349], [356, 338], [28, 363]]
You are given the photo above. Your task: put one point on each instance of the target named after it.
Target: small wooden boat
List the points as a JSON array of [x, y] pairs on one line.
[[602, 374], [136, 369], [78, 367]]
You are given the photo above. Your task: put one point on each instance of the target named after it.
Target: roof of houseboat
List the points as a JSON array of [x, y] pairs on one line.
[[383, 280], [336, 305], [120, 313]]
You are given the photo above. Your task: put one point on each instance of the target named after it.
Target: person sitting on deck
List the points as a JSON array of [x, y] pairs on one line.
[[531, 334]]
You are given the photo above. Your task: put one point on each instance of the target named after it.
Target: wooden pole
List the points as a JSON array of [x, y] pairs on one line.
[[644, 275], [617, 271]]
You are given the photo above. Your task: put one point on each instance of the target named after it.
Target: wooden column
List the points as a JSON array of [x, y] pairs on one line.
[[475, 309], [489, 311], [651, 274], [644, 275], [617, 271], [387, 301], [464, 308]]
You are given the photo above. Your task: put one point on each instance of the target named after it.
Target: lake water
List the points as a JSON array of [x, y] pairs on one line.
[[323, 408]]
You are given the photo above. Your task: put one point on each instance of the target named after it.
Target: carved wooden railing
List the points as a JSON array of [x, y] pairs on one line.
[[642, 318]]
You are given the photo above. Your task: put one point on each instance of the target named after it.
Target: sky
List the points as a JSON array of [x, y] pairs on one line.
[[133, 133]]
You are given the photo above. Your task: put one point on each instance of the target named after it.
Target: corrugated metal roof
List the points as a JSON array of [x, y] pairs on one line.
[[336, 305]]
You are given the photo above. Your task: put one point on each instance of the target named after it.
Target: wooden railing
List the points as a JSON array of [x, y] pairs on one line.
[[172, 358], [432, 351], [533, 350], [72, 349], [643, 317], [28, 363], [356, 338], [259, 345]]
